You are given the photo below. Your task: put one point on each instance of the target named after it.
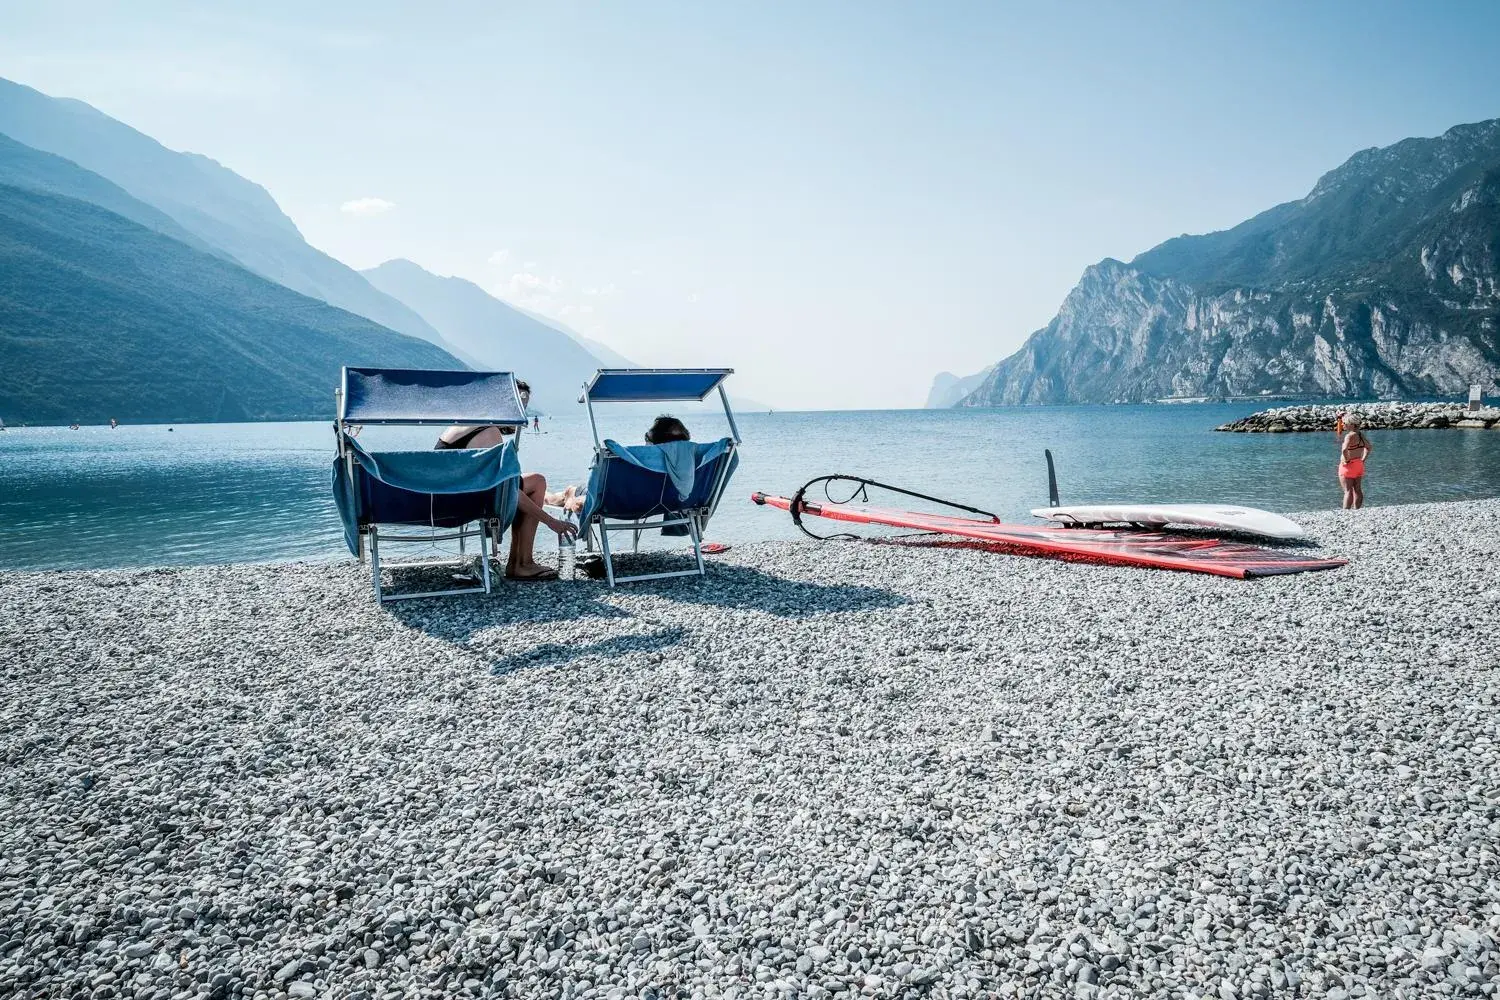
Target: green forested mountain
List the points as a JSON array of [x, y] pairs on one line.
[[235, 216], [24, 167], [103, 317]]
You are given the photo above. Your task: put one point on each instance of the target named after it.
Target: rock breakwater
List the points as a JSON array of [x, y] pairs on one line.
[[1374, 416]]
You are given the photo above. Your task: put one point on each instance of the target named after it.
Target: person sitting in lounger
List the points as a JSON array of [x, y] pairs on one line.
[[529, 512], [665, 428]]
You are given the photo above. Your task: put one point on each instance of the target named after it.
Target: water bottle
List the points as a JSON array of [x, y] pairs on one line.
[[566, 550]]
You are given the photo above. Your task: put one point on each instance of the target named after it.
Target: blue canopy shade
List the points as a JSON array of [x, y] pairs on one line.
[[429, 396], [653, 385]]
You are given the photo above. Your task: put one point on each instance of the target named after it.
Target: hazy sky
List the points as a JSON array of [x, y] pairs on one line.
[[838, 199]]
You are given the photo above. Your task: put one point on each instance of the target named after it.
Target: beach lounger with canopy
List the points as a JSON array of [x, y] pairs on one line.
[[673, 487], [455, 494]]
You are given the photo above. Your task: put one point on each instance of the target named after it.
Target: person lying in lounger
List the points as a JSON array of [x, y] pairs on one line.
[[529, 513]]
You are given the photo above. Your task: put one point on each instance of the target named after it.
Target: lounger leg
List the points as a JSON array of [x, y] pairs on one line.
[[486, 528], [609, 559], [375, 563], [697, 542]]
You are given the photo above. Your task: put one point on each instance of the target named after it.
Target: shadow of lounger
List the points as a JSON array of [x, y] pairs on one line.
[[731, 587], [550, 654]]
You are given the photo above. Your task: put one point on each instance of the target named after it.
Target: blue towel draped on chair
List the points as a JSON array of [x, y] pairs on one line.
[[456, 494], [443, 489], [632, 482]]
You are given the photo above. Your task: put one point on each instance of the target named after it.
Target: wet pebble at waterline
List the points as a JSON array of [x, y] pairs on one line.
[[828, 770]]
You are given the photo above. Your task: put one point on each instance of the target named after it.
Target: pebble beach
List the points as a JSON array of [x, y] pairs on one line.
[[827, 770]]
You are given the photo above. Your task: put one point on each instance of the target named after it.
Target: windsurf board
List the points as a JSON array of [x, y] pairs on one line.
[[1225, 517]]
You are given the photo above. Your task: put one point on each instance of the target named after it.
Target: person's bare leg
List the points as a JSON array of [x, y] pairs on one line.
[[1348, 499], [523, 531], [522, 525], [1359, 492]]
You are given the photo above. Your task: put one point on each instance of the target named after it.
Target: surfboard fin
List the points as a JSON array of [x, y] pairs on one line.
[[1052, 500]]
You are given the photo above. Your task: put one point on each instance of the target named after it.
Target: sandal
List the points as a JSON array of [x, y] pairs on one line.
[[545, 573]]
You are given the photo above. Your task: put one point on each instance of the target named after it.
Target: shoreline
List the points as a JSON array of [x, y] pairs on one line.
[[828, 770], [1385, 416]]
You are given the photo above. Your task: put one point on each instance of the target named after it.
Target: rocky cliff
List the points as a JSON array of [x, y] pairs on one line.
[[948, 388], [1383, 282]]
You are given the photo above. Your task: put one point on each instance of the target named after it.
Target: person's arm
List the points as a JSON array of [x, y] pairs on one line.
[[558, 525]]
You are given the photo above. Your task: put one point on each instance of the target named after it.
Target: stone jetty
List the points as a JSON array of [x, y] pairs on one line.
[[1374, 416]]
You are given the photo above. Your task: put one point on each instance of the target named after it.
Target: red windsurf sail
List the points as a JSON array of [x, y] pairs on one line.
[[1159, 550]]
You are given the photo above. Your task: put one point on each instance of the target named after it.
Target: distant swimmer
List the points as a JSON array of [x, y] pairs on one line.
[[113, 423], [73, 426], [536, 424]]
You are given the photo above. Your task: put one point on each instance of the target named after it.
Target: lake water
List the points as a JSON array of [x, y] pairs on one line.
[[260, 492]]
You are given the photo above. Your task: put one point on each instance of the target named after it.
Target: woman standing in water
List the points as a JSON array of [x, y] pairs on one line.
[[1354, 448]]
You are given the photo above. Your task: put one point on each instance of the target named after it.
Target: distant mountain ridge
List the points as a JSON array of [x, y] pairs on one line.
[[948, 388], [102, 317], [555, 360], [491, 332], [1383, 282], [210, 201]]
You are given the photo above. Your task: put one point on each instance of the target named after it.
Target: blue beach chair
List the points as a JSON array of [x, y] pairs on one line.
[[674, 487], [456, 494]]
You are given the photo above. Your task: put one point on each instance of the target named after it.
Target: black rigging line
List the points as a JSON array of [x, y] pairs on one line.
[[861, 492]]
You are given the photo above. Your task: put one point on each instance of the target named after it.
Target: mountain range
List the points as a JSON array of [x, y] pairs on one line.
[[148, 284], [1384, 282], [210, 201], [103, 317], [555, 360]]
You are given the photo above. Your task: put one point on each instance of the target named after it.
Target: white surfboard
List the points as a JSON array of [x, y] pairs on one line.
[[1227, 517]]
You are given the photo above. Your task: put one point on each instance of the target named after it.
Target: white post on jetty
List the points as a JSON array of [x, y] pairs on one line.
[[1476, 399]]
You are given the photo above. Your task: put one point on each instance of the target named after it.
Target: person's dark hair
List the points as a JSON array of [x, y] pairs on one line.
[[667, 428]]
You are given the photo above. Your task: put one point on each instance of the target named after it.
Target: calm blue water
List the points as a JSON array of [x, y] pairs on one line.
[[260, 492]]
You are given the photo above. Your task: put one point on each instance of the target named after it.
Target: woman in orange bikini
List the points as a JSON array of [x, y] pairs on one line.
[[1353, 451]]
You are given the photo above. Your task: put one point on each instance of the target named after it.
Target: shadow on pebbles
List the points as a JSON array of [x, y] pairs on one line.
[[826, 770]]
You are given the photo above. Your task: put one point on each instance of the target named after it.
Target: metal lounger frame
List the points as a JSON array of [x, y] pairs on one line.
[[695, 518], [487, 530]]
